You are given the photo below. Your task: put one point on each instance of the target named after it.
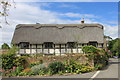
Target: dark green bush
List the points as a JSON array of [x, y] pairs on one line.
[[5, 46], [89, 49], [33, 64], [70, 66], [7, 61], [10, 60], [56, 67], [17, 71], [19, 61]]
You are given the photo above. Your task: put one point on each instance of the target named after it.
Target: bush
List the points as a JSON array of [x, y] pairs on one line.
[[83, 69], [56, 67], [70, 66], [98, 66], [19, 61], [74, 67], [5, 46], [10, 60], [33, 64], [89, 49], [38, 68], [17, 71], [7, 61]]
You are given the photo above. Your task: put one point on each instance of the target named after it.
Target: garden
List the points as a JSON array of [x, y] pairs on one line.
[[43, 65]]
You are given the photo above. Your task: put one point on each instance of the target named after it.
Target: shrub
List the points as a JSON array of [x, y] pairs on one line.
[[74, 67], [98, 66], [5, 46], [56, 67], [13, 49], [38, 68], [18, 70], [84, 69], [70, 66], [19, 61], [89, 49], [7, 61], [33, 64]]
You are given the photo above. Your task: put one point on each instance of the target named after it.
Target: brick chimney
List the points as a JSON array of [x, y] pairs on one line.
[[82, 21]]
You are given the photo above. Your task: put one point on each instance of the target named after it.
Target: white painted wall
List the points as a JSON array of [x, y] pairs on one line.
[[39, 46], [45, 50], [33, 51], [27, 51], [39, 50], [51, 50], [33, 46], [74, 50], [63, 51], [68, 50]]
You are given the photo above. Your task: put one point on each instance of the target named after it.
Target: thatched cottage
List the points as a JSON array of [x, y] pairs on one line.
[[57, 38]]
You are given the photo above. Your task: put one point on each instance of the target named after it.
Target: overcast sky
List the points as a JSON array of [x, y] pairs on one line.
[[105, 13]]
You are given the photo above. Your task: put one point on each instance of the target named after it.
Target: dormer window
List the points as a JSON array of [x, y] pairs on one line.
[[71, 44], [48, 44], [24, 45]]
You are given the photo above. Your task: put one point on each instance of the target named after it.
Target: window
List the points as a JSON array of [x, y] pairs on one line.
[[71, 44], [48, 44], [24, 45], [93, 43]]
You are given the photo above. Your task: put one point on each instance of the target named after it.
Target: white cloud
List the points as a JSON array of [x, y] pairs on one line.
[[111, 31], [79, 15], [26, 14]]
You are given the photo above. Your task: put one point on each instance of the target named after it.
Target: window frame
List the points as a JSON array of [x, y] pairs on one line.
[[48, 45], [24, 45], [71, 44]]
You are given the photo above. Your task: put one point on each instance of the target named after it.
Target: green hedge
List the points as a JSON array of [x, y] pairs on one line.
[[89, 49]]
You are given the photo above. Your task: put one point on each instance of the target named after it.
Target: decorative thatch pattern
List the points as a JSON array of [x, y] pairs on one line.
[[58, 33]]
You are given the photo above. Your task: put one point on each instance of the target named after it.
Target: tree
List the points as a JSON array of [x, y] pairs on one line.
[[5, 46], [4, 6], [116, 48]]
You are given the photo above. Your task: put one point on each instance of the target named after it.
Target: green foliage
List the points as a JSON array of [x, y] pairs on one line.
[[70, 66], [10, 60], [39, 55], [74, 67], [5, 46], [114, 47], [98, 66], [38, 69], [83, 69], [56, 67], [33, 64], [17, 71], [7, 61], [19, 61], [89, 49], [13, 49]]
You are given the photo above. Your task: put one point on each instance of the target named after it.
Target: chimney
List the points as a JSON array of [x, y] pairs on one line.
[[82, 21]]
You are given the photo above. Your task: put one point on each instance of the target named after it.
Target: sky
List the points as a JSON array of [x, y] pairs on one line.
[[105, 13]]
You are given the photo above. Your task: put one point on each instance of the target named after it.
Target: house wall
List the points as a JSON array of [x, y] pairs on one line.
[[57, 50]]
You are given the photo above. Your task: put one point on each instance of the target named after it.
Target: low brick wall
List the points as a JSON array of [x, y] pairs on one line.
[[4, 51]]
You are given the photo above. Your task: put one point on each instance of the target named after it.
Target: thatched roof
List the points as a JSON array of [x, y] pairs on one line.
[[58, 33]]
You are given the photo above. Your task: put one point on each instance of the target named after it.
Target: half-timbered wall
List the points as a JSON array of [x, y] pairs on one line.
[[58, 49]]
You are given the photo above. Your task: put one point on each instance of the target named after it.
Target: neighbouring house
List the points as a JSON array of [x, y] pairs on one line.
[[57, 38]]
